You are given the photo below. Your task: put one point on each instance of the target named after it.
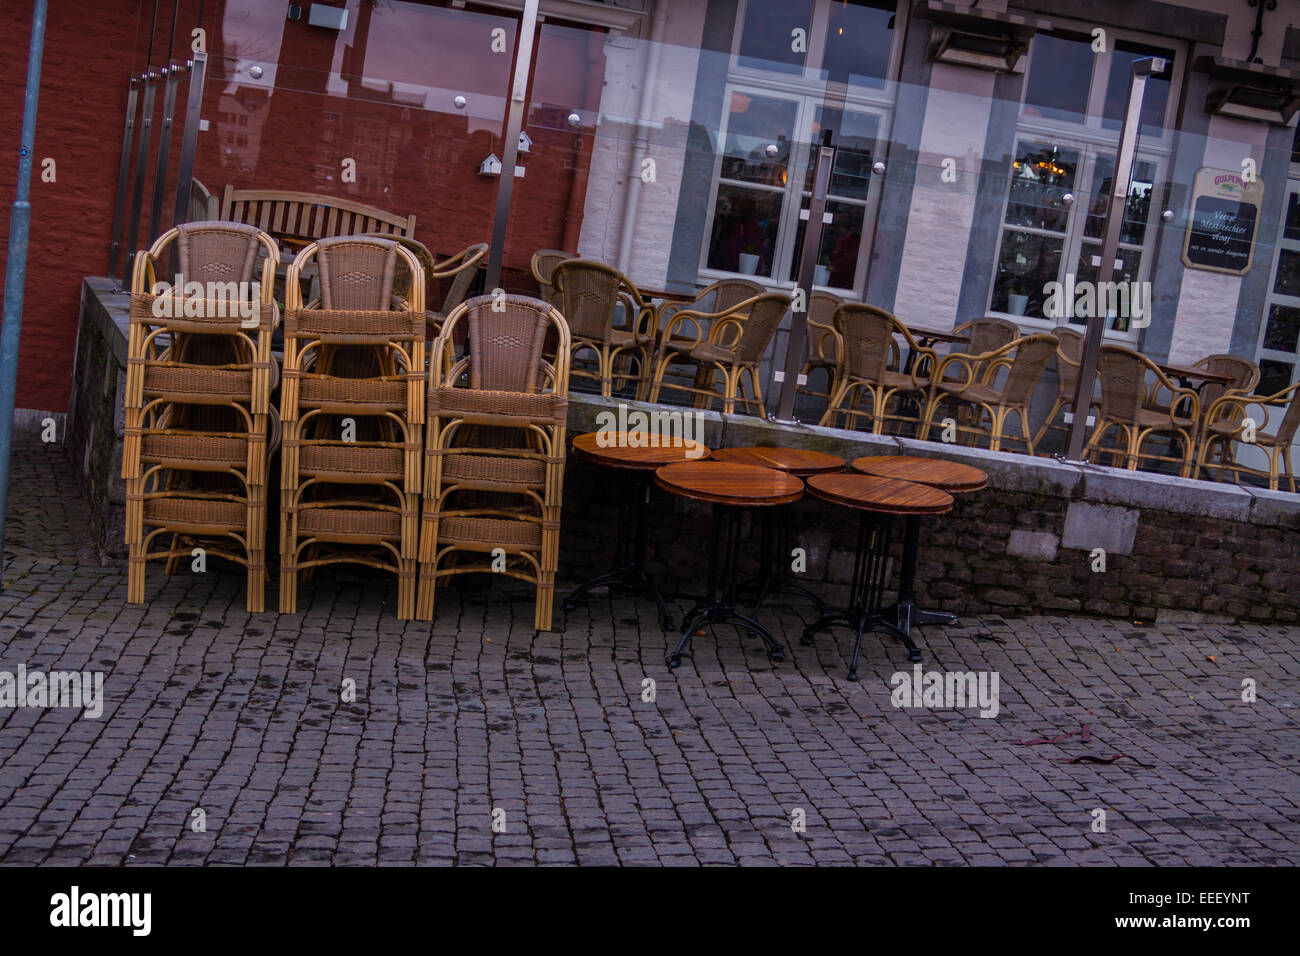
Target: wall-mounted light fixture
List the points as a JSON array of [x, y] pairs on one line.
[[983, 39], [1251, 91]]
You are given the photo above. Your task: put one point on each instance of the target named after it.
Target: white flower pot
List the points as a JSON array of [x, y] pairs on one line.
[[1017, 303], [822, 275], [748, 263]]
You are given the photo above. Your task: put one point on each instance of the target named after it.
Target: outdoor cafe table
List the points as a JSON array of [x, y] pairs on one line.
[[636, 463], [775, 536], [948, 476], [730, 488], [876, 500], [1186, 376]]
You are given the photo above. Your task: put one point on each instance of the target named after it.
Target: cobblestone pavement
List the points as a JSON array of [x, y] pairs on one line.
[[207, 707]]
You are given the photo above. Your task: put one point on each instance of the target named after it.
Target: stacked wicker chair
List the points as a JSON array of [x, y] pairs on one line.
[[495, 446], [353, 408], [199, 425]]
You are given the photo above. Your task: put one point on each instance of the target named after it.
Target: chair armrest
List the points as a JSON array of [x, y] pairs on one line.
[[687, 315], [941, 366]]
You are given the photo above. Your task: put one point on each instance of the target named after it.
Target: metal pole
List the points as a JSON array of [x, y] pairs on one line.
[[1122, 178], [172, 72], [16, 268], [510, 148], [812, 243], [190, 137], [123, 175]]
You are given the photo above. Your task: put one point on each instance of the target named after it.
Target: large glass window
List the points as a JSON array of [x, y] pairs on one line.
[[1280, 337], [785, 53], [1062, 171]]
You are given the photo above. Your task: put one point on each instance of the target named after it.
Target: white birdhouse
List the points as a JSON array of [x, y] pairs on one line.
[[525, 141], [490, 166]]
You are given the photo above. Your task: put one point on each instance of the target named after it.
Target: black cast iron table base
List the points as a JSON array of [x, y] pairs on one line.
[[720, 605], [629, 550], [864, 613], [904, 612], [774, 576]]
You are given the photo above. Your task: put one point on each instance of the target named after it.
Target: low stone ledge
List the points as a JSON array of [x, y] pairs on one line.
[[1149, 490]]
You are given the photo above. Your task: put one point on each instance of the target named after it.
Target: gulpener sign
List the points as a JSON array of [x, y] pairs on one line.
[[1224, 218]]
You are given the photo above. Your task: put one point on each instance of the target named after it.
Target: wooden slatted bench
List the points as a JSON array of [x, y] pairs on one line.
[[309, 216]]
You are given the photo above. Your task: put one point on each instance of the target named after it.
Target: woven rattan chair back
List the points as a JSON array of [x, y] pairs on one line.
[[217, 251], [465, 264], [1286, 429], [588, 297], [1069, 344], [1123, 375], [505, 344], [987, 334], [1244, 372], [356, 273], [764, 318], [866, 332], [729, 292], [1033, 352], [543, 266]]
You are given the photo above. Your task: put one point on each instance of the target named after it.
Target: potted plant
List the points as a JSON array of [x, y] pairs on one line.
[[749, 260], [822, 273], [1018, 295]]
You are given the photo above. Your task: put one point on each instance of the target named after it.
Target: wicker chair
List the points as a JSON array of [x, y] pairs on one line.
[[1226, 422], [494, 454], [823, 344], [198, 423], [1124, 407], [543, 266], [986, 335], [1025, 360], [1069, 356], [352, 498], [590, 296], [869, 368], [721, 352]]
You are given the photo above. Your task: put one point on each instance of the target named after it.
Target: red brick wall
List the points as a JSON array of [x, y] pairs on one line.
[[79, 126], [90, 54]]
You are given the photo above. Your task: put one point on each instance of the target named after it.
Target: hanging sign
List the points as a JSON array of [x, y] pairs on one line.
[[1223, 221]]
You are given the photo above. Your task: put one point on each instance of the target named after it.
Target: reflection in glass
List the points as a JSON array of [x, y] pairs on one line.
[[1274, 376], [1291, 229], [1130, 264], [1137, 209], [745, 224], [841, 242], [765, 38], [1060, 73], [1040, 176], [858, 36], [1282, 332], [1288, 273], [754, 123], [1027, 261], [854, 135], [1155, 99]]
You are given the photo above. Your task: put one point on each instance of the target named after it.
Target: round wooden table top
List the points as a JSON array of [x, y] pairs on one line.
[[637, 451], [950, 476], [727, 483], [795, 461], [883, 495]]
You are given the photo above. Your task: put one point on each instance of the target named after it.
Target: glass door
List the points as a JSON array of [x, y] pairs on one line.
[[1279, 344], [764, 183]]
